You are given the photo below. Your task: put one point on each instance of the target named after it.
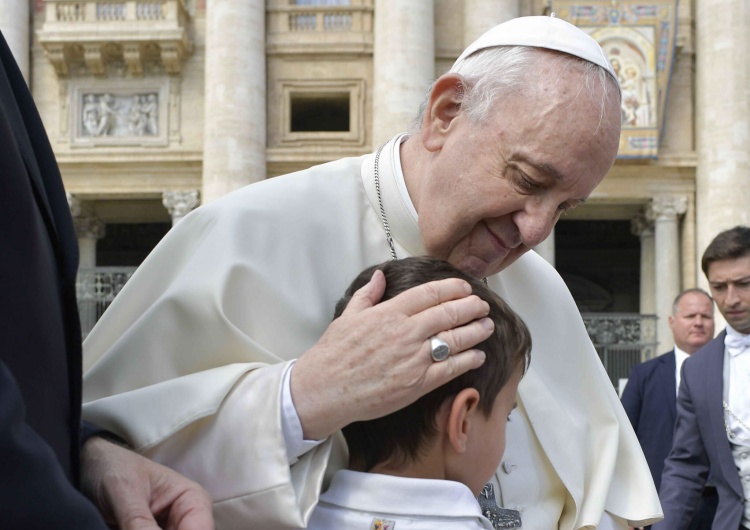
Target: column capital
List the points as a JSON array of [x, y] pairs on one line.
[[74, 204], [89, 227], [667, 207], [180, 203], [642, 226]]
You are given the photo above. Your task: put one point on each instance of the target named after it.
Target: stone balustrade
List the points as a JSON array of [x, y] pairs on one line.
[[88, 36], [343, 27]]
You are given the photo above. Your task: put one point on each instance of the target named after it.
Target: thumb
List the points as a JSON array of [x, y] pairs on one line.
[[368, 295], [135, 516]]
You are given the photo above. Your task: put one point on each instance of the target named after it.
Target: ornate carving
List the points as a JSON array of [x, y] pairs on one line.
[[143, 116], [98, 114], [642, 226], [92, 32], [89, 227], [180, 203], [132, 55], [171, 57], [667, 207], [74, 205], [107, 115], [56, 55], [92, 56], [620, 329]]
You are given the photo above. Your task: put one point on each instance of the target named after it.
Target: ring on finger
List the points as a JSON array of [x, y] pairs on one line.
[[439, 349]]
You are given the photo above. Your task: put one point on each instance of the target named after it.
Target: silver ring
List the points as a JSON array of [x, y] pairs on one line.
[[439, 349]]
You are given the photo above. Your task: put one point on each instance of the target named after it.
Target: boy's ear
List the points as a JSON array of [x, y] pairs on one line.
[[443, 105], [463, 412]]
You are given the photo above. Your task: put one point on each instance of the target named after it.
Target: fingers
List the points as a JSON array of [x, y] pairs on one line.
[[465, 337], [135, 492], [440, 373], [455, 316], [425, 296], [191, 510], [368, 295]]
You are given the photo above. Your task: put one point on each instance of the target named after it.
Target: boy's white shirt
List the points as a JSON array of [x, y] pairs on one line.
[[360, 500]]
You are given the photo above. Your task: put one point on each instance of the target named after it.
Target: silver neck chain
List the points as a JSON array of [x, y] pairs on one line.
[[733, 437], [387, 228]]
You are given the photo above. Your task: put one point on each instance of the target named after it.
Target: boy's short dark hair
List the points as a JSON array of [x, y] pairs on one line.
[[401, 436], [729, 244]]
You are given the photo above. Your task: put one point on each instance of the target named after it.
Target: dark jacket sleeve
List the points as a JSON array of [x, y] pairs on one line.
[[34, 491], [632, 397], [686, 469]]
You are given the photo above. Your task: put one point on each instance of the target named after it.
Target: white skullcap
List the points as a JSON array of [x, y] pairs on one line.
[[551, 33]]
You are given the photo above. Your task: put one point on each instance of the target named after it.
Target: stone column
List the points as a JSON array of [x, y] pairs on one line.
[[723, 117], [15, 18], [404, 64], [664, 211], [179, 203], [88, 229], [644, 229], [546, 248], [234, 144], [481, 15]]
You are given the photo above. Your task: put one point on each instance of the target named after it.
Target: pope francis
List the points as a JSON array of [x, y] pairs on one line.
[[218, 360]]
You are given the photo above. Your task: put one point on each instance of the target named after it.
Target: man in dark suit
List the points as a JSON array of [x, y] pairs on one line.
[[40, 357], [650, 394], [713, 405]]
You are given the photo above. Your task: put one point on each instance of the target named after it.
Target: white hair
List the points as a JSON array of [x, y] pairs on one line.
[[495, 71]]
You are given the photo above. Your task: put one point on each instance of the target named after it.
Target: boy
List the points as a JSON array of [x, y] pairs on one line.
[[423, 466]]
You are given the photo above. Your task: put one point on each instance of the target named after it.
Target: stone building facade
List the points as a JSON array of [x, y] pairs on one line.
[[154, 106]]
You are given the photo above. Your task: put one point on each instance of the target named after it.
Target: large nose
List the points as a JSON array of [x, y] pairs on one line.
[[732, 295], [535, 224]]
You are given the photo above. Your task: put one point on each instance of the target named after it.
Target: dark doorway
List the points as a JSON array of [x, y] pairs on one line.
[[128, 244], [600, 262]]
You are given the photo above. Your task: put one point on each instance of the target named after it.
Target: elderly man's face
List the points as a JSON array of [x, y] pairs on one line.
[[495, 189]]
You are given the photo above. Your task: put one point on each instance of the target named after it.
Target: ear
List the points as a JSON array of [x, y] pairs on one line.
[[463, 412], [443, 106]]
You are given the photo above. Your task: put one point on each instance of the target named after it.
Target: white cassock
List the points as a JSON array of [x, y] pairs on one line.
[[371, 500], [187, 363]]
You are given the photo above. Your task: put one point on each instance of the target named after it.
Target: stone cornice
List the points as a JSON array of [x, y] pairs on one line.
[[102, 38]]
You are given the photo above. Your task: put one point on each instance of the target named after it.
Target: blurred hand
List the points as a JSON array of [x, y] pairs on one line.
[[134, 493], [375, 358]]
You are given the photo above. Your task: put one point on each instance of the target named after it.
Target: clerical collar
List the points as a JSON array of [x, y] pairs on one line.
[[398, 174], [679, 358]]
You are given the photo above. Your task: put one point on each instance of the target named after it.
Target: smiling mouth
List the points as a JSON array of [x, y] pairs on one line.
[[500, 246]]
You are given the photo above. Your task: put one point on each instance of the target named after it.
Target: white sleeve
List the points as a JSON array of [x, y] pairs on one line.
[[291, 427]]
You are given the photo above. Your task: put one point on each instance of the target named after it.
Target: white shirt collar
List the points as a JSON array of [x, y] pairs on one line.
[[384, 493], [736, 343], [679, 358]]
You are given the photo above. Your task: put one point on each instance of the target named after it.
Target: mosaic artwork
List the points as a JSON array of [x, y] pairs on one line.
[[639, 39]]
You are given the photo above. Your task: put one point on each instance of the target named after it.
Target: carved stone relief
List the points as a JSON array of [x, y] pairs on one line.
[[109, 114]]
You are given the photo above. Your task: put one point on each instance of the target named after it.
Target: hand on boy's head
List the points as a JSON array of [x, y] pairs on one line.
[[340, 380]]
